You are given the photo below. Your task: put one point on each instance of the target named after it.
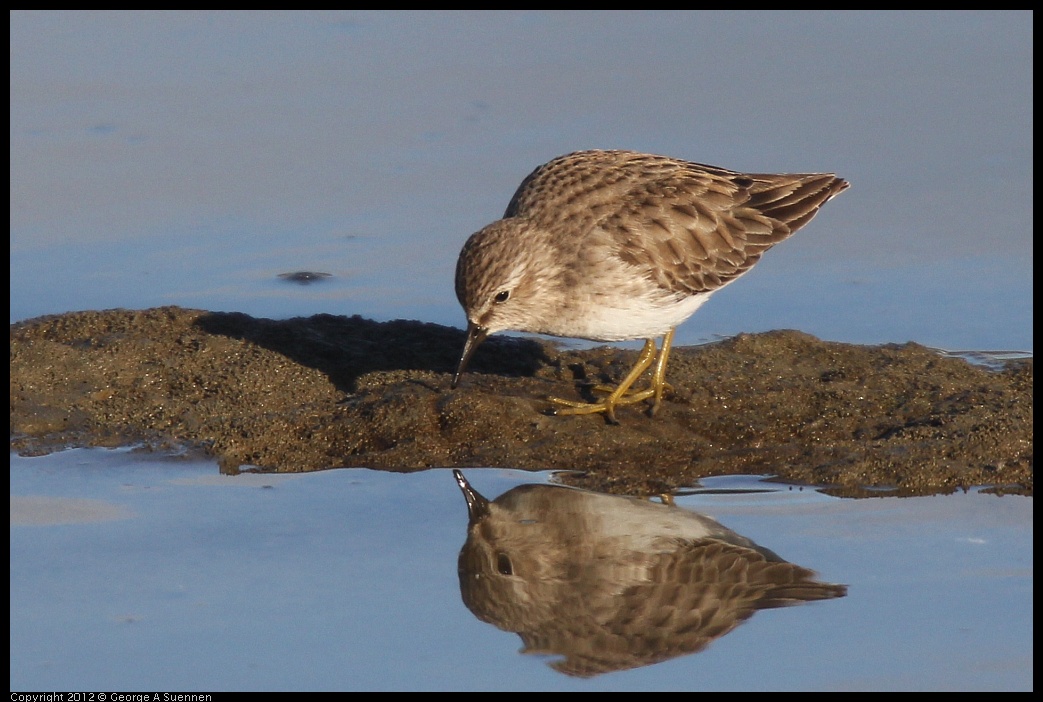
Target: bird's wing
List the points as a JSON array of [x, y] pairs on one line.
[[690, 227]]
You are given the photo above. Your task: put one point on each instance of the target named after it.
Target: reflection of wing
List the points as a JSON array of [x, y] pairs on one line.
[[691, 597], [610, 582], [709, 223]]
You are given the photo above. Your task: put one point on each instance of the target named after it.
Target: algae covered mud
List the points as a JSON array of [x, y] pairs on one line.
[[329, 391]]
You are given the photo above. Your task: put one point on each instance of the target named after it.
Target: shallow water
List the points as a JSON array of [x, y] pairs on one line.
[[176, 577], [191, 158]]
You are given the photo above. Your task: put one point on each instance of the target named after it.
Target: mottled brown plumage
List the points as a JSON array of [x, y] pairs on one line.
[[613, 245], [610, 582]]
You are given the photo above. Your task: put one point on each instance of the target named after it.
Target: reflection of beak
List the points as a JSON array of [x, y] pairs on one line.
[[477, 506], [475, 336]]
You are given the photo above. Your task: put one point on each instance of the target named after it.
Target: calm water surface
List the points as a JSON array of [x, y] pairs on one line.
[[131, 572], [190, 158]]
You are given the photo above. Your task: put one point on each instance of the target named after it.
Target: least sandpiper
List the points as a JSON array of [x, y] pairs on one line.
[[612, 582], [614, 245]]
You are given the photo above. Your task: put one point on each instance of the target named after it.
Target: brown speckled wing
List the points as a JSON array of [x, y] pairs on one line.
[[691, 227], [689, 598]]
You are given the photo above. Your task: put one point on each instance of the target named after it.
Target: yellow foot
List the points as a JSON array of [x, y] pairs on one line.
[[622, 395], [631, 397], [607, 405]]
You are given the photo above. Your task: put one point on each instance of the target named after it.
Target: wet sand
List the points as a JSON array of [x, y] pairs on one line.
[[330, 391]]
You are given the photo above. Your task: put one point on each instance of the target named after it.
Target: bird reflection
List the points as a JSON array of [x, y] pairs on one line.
[[611, 582]]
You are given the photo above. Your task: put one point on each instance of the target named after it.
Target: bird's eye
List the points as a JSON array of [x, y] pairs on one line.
[[502, 296], [504, 565]]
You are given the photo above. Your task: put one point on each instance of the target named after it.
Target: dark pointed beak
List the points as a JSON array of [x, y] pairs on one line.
[[477, 506], [475, 336]]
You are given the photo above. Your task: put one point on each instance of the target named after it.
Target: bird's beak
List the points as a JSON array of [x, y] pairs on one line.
[[477, 506], [475, 336]]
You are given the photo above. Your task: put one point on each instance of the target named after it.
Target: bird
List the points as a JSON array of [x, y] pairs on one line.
[[618, 245], [611, 582]]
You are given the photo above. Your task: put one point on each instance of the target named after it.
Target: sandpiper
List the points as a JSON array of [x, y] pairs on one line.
[[614, 245], [612, 582]]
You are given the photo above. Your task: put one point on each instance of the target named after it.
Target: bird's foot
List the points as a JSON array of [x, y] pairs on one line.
[[621, 394], [608, 404]]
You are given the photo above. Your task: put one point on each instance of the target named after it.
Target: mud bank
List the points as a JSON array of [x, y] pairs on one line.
[[329, 391]]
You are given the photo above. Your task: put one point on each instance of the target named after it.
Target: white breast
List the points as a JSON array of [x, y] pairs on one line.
[[631, 317]]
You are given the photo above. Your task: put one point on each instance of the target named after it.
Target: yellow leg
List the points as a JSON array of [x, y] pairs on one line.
[[659, 373], [621, 395]]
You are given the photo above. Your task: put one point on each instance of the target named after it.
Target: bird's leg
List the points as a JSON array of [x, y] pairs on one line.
[[659, 372], [658, 385], [618, 396], [621, 395]]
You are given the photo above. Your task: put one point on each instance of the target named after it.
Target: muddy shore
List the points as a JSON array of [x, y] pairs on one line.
[[330, 391]]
